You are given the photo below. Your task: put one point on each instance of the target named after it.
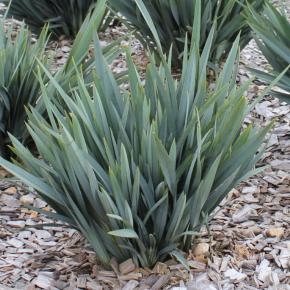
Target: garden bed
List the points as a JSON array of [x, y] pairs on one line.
[[249, 242], [249, 246]]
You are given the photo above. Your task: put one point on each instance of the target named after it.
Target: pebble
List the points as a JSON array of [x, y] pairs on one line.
[[275, 232], [201, 249], [11, 190], [27, 199]]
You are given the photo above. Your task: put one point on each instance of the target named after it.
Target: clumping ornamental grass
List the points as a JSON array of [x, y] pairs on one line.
[[140, 171], [18, 82], [272, 34], [64, 17], [173, 21], [20, 88]]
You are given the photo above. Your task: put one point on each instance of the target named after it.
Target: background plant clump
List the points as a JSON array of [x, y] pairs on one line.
[[272, 35], [18, 82], [174, 19], [64, 17], [20, 58]]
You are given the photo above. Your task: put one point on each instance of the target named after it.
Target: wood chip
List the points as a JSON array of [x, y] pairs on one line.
[[16, 224], [43, 281], [163, 280], [131, 285], [15, 243], [127, 267], [235, 276]]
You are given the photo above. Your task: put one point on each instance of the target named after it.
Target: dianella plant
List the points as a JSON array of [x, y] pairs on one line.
[[173, 21], [272, 34], [20, 88], [63, 17], [18, 83], [139, 171]]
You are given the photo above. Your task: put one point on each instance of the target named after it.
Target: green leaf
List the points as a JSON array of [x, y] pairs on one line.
[[180, 258], [124, 233]]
